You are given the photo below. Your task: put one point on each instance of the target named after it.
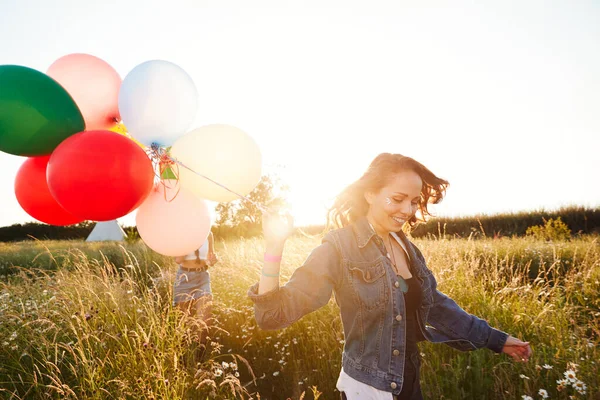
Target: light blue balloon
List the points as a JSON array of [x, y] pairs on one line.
[[158, 102]]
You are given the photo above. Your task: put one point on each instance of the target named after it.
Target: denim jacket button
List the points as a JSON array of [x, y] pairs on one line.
[[398, 317], [396, 352], [393, 385], [397, 284]]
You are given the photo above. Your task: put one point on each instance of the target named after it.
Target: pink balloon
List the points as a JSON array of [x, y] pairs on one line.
[[172, 221], [93, 84]]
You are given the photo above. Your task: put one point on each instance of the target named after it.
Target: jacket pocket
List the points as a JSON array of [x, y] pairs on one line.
[[368, 282]]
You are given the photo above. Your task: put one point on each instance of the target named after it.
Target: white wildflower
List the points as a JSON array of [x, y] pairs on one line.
[[570, 375], [543, 393], [580, 386]]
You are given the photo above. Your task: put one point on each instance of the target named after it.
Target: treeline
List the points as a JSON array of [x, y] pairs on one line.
[[39, 231], [580, 220], [35, 230]]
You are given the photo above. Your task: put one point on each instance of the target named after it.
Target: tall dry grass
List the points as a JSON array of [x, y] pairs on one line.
[[101, 327]]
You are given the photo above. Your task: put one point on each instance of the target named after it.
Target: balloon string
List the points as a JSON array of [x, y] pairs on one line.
[[159, 164], [166, 160], [162, 160]]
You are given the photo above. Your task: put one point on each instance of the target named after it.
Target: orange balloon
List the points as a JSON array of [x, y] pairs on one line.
[[93, 84], [121, 129]]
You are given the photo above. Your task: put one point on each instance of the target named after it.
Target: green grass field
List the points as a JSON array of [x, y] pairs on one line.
[[95, 321]]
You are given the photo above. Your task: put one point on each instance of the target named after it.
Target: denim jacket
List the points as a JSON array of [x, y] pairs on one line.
[[351, 262]]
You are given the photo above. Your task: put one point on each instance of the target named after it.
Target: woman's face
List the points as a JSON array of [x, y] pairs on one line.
[[395, 203]]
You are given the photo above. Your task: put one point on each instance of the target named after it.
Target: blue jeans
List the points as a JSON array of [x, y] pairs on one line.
[[190, 285]]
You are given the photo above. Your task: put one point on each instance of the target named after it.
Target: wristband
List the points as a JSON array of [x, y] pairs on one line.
[[269, 275], [272, 258]]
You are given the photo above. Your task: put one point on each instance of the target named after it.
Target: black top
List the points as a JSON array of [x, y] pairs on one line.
[[412, 300]]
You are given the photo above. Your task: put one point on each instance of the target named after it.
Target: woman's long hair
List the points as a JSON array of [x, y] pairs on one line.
[[351, 204]]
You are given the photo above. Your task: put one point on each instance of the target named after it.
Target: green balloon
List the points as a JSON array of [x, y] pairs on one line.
[[36, 112]]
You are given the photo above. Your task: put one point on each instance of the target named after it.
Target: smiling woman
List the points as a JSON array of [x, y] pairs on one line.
[[387, 295], [401, 186]]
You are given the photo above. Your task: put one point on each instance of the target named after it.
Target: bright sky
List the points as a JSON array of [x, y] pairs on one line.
[[500, 98]]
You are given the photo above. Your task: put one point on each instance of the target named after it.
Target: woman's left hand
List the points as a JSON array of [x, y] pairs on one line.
[[517, 349]]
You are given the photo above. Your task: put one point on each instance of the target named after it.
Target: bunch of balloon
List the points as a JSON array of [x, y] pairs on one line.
[[95, 142], [77, 168], [158, 102]]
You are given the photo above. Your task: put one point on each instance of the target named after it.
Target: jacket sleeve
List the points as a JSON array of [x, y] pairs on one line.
[[309, 288], [446, 316], [450, 319]]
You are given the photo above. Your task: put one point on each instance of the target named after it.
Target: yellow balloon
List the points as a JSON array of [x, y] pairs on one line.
[[223, 153], [121, 129]]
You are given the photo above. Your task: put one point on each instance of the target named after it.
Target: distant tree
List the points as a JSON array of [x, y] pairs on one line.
[[85, 224], [553, 229], [243, 217]]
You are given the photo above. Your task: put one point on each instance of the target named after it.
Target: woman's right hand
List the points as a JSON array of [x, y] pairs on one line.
[[276, 229], [520, 351]]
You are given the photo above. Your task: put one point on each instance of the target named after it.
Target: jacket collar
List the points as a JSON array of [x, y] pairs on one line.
[[363, 230], [364, 233]]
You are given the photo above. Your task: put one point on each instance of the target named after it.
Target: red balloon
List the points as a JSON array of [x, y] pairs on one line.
[[99, 175], [34, 196]]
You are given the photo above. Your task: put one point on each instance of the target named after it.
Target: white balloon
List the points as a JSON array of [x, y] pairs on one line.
[[223, 153], [158, 102]]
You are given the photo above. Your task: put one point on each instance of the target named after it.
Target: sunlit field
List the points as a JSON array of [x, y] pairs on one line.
[[96, 321]]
